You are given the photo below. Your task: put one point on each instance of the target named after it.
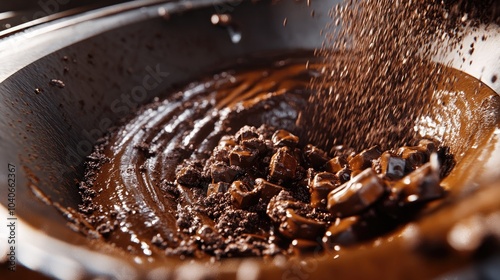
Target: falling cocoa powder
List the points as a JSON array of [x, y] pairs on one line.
[[374, 96]]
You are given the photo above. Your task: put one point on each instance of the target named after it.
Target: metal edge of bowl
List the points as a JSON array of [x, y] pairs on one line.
[[40, 251], [477, 54]]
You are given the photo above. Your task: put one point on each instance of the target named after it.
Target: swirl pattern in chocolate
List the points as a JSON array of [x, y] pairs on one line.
[[192, 176], [126, 192]]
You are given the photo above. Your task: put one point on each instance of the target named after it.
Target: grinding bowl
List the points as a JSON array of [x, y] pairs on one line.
[[66, 82]]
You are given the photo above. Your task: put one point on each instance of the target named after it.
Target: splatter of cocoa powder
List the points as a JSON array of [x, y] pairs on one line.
[[377, 70]]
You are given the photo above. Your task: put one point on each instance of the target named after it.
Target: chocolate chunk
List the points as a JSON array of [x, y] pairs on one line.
[[392, 166], [342, 232], [242, 157], [283, 165], [241, 196], [356, 195], [315, 156], [419, 186], [322, 184], [221, 172], [188, 176], [246, 133], [284, 138], [414, 156], [344, 175], [219, 187], [364, 159], [266, 189], [296, 226], [336, 164]]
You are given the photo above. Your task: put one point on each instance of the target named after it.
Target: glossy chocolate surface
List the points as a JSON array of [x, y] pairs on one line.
[[164, 134]]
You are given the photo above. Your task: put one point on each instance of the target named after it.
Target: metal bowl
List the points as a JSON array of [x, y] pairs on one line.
[[64, 83]]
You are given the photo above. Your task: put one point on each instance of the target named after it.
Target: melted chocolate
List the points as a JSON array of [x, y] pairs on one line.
[[183, 179], [130, 193]]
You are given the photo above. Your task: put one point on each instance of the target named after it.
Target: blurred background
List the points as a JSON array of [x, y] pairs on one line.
[[32, 12], [16, 13]]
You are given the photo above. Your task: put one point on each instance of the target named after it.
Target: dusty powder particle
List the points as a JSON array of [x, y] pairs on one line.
[[377, 55]]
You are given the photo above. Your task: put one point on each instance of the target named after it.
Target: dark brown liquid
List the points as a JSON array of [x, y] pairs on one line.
[[130, 183]]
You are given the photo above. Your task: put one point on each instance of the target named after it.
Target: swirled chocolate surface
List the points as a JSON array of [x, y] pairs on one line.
[[129, 194], [216, 170]]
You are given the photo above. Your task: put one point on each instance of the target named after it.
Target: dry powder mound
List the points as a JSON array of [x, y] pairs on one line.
[[374, 92]]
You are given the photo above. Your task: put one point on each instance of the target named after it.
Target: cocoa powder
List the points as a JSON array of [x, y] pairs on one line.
[[373, 95]]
